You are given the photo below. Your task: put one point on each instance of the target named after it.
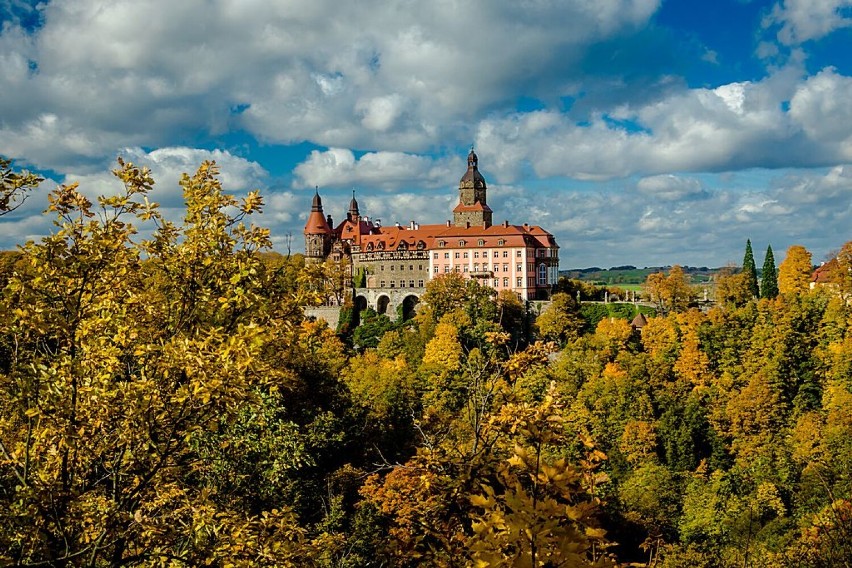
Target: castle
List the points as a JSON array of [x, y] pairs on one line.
[[397, 261]]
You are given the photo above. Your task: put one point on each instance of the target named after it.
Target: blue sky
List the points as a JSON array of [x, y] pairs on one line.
[[636, 131]]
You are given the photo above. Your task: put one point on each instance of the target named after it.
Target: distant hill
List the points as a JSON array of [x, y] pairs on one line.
[[630, 275]]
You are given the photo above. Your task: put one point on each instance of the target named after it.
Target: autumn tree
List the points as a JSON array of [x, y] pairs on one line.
[[840, 272], [672, 292], [769, 276], [561, 320], [794, 272], [117, 374], [750, 271], [732, 288], [15, 186]]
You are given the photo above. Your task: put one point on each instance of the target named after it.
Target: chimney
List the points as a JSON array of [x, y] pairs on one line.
[[411, 225], [448, 222], [506, 224], [467, 224]]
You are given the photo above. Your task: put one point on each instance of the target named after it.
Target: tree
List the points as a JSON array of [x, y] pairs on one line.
[[794, 273], [672, 292], [561, 320], [840, 272], [14, 186], [732, 289], [118, 371], [750, 270], [769, 276]]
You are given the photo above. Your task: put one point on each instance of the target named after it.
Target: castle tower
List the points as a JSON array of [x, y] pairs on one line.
[[353, 214], [472, 208], [317, 233]]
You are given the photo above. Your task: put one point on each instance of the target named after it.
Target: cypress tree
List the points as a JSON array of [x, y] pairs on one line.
[[769, 276], [750, 271]]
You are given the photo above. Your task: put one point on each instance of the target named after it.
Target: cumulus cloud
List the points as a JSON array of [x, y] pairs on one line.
[[338, 74], [338, 167], [734, 126], [668, 187], [805, 20]]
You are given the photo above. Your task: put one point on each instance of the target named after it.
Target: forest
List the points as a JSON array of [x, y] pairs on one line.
[[164, 402]]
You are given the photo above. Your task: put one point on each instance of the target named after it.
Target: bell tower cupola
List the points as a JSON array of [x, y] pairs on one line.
[[473, 208]]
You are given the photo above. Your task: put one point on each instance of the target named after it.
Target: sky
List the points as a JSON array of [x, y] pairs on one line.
[[641, 132]]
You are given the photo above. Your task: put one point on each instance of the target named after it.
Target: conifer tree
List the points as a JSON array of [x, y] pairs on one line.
[[750, 270], [769, 276]]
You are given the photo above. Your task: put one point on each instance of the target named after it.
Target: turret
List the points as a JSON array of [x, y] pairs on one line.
[[318, 234], [472, 207]]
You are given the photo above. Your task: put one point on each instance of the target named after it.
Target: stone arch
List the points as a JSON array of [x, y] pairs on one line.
[[382, 303], [360, 303], [409, 307]]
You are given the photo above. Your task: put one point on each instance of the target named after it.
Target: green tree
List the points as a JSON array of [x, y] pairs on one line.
[[769, 276], [750, 270]]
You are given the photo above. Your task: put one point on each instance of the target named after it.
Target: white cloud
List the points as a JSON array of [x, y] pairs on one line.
[[804, 20], [668, 187], [338, 167], [399, 77]]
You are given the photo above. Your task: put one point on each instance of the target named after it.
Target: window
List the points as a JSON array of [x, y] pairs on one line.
[[392, 284], [457, 255], [540, 253], [531, 281], [476, 267], [519, 268], [435, 270], [391, 267], [518, 254], [520, 282], [461, 243], [481, 242], [465, 268], [456, 269], [500, 243], [446, 268], [446, 255], [382, 267], [441, 243], [411, 283], [496, 254], [382, 284], [476, 255], [435, 255], [465, 254], [496, 267], [505, 254], [505, 268], [484, 266], [542, 274], [496, 282], [419, 283], [402, 283], [419, 267], [505, 282], [411, 267]]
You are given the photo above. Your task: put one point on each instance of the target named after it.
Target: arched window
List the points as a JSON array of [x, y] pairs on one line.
[[481, 242]]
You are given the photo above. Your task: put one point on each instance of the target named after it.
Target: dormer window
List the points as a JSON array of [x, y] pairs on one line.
[[481, 242], [370, 246], [441, 243], [501, 242], [462, 243]]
